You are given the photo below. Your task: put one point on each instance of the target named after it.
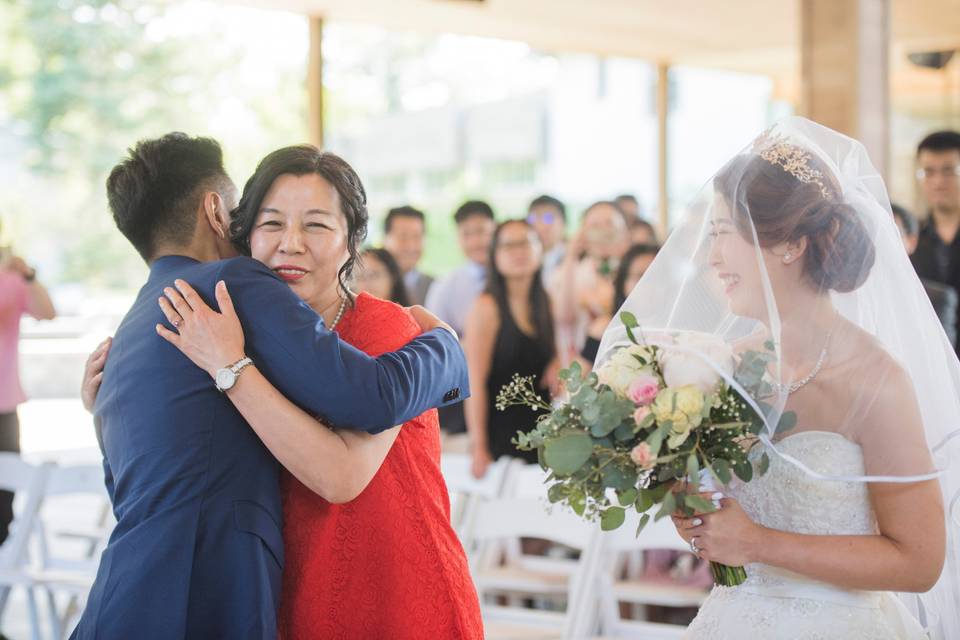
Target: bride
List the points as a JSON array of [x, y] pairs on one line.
[[791, 252]]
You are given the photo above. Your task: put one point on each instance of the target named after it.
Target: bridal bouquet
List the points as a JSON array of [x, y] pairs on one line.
[[649, 427]]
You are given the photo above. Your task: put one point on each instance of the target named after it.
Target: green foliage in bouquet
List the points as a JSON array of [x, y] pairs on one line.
[[626, 439]]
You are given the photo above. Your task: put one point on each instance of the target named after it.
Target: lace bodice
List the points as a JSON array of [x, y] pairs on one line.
[[775, 603], [788, 499]]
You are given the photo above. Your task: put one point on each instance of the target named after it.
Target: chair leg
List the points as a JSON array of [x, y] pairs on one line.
[[56, 625], [34, 614]]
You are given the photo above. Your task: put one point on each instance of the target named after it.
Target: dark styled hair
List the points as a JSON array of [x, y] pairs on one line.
[[154, 194], [626, 197], [549, 201], [623, 270], [406, 211], [940, 141], [539, 300], [398, 290], [907, 219], [301, 160], [840, 251], [472, 208]]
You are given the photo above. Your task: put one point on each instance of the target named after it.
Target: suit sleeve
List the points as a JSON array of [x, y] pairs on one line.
[[329, 378]]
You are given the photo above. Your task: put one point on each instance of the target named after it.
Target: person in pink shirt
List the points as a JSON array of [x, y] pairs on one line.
[[20, 293]]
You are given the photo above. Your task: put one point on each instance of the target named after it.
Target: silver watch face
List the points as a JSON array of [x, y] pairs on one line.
[[225, 379]]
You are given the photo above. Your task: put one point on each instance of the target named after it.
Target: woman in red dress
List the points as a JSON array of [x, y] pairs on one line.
[[369, 549]]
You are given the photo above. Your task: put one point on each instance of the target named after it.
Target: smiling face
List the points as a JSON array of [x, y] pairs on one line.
[[518, 250], [735, 262], [405, 241], [301, 233]]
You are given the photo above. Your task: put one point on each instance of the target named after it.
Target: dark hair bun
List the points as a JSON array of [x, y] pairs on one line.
[[840, 251]]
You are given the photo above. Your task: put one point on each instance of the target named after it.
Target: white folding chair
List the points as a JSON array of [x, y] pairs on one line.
[[28, 482], [612, 589], [465, 490], [69, 551], [514, 518]]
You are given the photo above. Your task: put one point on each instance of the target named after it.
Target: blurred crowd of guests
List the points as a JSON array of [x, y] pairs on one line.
[[531, 297]]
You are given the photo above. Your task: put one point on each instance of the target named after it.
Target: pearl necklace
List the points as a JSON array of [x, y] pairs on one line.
[[336, 320], [796, 386]]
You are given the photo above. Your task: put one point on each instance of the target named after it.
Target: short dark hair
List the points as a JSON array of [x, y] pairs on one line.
[[940, 141], [472, 208], [907, 219], [406, 211], [607, 203], [629, 197], [301, 160], [549, 201], [155, 192]]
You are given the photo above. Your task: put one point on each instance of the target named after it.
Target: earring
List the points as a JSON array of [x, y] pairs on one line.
[[787, 257]]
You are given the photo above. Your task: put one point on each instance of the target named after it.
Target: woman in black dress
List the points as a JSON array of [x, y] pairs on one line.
[[509, 330]]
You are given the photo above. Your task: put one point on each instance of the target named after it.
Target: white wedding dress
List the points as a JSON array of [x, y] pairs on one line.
[[774, 604]]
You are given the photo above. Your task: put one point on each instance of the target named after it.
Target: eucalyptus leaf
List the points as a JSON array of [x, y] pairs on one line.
[[624, 433], [722, 469], [787, 422], [764, 464], [628, 497], [644, 519], [612, 518], [693, 469], [629, 320], [645, 500], [568, 452], [667, 507], [557, 492], [699, 504], [743, 469]]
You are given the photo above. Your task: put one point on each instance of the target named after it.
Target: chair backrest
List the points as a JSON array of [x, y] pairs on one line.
[[28, 481], [77, 520], [465, 490], [529, 518], [525, 480], [656, 535]]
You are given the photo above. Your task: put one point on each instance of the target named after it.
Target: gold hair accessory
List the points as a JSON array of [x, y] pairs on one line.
[[794, 160]]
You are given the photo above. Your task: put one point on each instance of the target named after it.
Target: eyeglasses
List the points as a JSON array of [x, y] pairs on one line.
[[926, 173], [523, 245], [545, 217]]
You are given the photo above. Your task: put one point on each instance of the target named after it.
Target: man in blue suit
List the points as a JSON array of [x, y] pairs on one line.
[[198, 551]]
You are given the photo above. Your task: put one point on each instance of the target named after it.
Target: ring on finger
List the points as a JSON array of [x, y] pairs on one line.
[[178, 322], [694, 547]]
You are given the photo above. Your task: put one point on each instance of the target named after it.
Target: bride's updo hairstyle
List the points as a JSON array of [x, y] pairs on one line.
[[301, 160], [786, 194]]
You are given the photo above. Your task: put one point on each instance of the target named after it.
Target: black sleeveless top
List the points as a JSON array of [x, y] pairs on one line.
[[513, 352]]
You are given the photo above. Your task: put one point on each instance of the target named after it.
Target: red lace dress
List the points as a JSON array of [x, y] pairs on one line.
[[388, 564]]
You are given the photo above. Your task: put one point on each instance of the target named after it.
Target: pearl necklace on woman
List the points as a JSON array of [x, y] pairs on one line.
[[336, 319]]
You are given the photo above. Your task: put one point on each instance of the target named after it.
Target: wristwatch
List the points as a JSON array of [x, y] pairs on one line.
[[227, 377]]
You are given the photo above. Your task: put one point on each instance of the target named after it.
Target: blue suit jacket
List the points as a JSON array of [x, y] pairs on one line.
[[198, 551]]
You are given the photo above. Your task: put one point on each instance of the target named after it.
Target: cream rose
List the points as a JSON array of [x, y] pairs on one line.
[[683, 363], [623, 368]]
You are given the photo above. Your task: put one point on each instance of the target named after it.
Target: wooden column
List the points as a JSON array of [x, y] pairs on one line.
[[663, 185], [845, 65], [315, 82]]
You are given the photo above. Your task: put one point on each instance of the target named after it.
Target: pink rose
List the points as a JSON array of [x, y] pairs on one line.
[[642, 455], [643, 390], [640, 414]]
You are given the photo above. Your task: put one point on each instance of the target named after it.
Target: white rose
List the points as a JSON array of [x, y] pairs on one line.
[[684, 363], [623, 368]]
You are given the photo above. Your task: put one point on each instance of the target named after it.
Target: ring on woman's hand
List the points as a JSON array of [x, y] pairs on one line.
[[178, 322], [694, 547]]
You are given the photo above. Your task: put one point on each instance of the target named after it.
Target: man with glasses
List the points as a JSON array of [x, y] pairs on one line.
[[937, 256], [549, 217]]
